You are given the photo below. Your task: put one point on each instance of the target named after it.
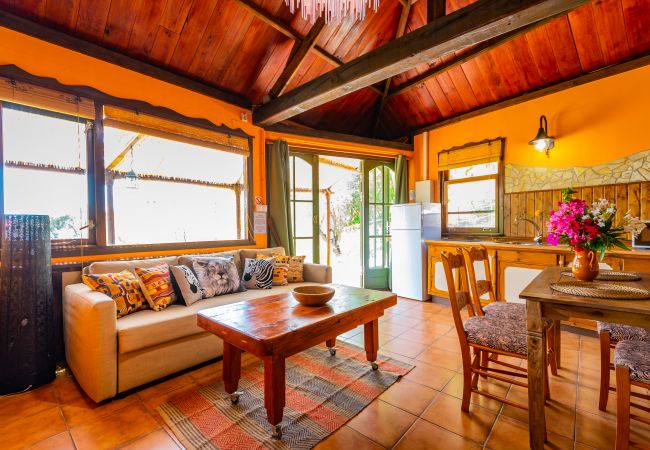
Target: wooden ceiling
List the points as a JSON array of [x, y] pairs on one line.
[[243, 46]]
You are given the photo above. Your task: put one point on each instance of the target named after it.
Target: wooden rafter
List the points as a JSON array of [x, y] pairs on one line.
[[475, 23], [460, 59], [116, 174], [300, 51], [436, 9], [340, 165], [401, 29], [285, 29], [127, 148]]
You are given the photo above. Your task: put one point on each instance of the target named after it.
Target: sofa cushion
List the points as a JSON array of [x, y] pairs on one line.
[[148, 328], [251, 253], [122, 287], [186, 260], [119, 266]]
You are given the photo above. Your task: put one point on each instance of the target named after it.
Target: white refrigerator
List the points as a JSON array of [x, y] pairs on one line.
[[410, 225]]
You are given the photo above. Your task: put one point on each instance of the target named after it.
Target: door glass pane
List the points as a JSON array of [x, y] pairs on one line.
[[371, 252], [305, 247], [386, 220], [379, 221], [371, 220], [391, 185], [371, 186], [379, 185], [304, 219]]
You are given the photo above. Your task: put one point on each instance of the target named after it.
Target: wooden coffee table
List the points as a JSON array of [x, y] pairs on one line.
[[277, 326]]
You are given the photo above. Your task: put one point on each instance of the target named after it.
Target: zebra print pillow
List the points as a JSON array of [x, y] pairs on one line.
[[258, 273]]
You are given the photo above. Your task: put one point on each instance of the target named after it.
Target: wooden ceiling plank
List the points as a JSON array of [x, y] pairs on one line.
[[615, 69], [92, 17], [436, 9], [543, 55], [585, 35], [41, 32], [636, 13], [120, 25], [611, 30], [63, 13], [175, 14], [464, 89], [144, 33], [302, 49], [198, 18], [564, 47], [164, 44], [477, 22]]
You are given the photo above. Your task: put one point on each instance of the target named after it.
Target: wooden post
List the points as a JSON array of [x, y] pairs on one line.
[[329, 226], [110, 213]]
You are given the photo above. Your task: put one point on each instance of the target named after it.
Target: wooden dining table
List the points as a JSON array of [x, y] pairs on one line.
[[543, 302]]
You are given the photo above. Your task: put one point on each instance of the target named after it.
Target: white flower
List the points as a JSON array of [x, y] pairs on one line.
[[601, 224]]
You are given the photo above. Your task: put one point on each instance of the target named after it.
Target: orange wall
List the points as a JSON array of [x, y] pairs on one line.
[[593, 123]]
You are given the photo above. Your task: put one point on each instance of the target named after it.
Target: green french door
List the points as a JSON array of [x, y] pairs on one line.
[[304, 198], [378, 184]]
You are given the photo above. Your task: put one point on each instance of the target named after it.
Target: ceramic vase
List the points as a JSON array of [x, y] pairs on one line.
[[585, 264]]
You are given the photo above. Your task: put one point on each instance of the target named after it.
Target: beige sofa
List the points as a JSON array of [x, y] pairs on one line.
[[109, 355]]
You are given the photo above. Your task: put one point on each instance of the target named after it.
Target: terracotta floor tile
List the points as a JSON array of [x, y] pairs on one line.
[[595, 430], [153, 402], [392, 329], [358, 339], [165, 386], [510, 434], [455, 388], [120, 427], [445, 412], [427, 436], [409, 396], [448, 343], [441, 358], [404, 347], [422, 336], [27, 403], [382, 422], [61, 441], [431, 376], [158, 440], [67, 391], [396, 356], [84, 410], [25, 431], [399, 319], [560, 418], [349, 334], [208, 374], [344, 438]]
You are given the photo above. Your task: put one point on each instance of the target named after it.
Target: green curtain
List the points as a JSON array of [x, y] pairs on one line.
[[278, 189], [401, 180]]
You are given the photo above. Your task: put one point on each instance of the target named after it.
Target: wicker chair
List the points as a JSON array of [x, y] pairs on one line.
[[515, 312], [610, 335], [632, 362], [483, 334]]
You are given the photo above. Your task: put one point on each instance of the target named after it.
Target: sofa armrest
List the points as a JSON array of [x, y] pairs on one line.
[[90, 335], [317, 273]]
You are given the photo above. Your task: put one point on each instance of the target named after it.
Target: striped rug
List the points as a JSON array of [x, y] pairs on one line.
[[323, 393]]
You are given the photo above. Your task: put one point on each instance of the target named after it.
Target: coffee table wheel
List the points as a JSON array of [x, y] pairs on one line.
[[374, 365], [277, 432], [332, 351], [234, 398]]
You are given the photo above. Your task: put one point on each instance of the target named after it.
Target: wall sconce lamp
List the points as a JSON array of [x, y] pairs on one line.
[[543, 142]]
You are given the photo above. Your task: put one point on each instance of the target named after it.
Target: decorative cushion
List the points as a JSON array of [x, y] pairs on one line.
[[187, 260], [156, 286], [280, 271], [188, 285], [497, 333], [217, 276], [258, 273], [296, 266], [624, 332], [635, 355], [122, 287], [510, 311]]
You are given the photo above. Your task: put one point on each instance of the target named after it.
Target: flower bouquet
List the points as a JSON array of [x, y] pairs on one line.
[[589, 230]]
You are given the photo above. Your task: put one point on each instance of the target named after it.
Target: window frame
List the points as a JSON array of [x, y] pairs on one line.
[[97, 245], [498, 178], [88, 125]]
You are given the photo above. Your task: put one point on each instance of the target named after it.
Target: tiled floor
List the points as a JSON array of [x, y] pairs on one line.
[[422, 411]]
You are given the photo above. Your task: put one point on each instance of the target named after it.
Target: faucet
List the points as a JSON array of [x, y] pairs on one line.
[[538, 230]]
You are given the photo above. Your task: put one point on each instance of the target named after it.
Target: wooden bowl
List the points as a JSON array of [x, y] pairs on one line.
[[313, 295]]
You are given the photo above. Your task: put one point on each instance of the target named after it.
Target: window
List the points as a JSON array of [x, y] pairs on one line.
[[471, 193], [381, 194], [161, 190], [45, 168]]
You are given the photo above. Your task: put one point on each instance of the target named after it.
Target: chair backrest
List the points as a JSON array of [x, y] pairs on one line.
[[479, 287], [459, 295]]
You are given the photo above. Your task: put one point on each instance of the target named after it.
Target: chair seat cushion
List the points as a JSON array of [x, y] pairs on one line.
[[148, 328], [496, 333], [510, 311], [620, 332], [634, 355]]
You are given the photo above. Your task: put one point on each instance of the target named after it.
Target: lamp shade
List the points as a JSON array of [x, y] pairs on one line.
[[543, 142]]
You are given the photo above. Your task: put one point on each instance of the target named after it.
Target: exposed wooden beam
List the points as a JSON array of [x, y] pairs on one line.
[[298, 55], [320, 134], [61, 39], [401, 29], [285, 29], [436, 9], [615, 69], [472, 24], [461, 59]]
